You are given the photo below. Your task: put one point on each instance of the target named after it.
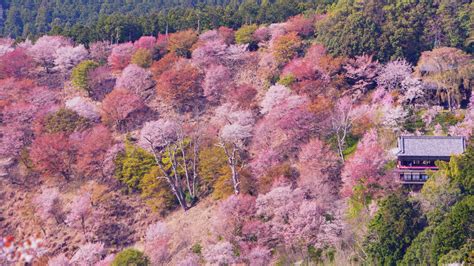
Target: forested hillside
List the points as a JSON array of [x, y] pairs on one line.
[[258, 136]]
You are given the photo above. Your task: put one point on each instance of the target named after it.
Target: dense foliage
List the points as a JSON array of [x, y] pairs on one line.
[[248, 134]]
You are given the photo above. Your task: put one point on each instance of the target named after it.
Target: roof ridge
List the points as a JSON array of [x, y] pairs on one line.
[[432, 137]]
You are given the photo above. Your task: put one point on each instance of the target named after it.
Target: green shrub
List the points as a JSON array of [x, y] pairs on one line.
[[453, 232], [287, 80], [130, 257], [143, 58], [447, 119], [132, 165], [197, 248], [79, 76], [65, 120], [397, 222], [413, 122], [244, 35]]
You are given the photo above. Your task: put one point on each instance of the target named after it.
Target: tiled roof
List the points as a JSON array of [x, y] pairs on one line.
[[430, 146]]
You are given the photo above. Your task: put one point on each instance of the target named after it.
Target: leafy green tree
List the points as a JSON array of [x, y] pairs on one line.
[[130, 257], [142, 57], [79, 76], [391, 231], [156, 192], [65, 120], [132, 165], [244, 35], [453, 232]]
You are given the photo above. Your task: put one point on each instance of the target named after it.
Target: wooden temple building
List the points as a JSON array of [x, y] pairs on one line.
[[417, 154]]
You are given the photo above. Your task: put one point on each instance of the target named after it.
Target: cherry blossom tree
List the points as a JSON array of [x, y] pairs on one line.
[[413, 91], [361, 74], [262, 34], [181, 86], [232, 215], [59, 260], [82, 215], [84, 107], [301, 24], [6, 45], [209, 53], [221, 253], [100, 51], [319, 169], [146, 42], [121, 55], [88, 254], [189, 260], [45, 48], [22, 102], [156, 243], [117, 105], [275, 95], [16, 63], [393, 74], [364, 167], [136, 80], [92, 151], [176, 154], [243, 96], [237, 126], [280, 132], [69, 56], [100, 82], [342, 120], [216, 82], [49, 205], [259, 256], [53, 154], [292, 218]]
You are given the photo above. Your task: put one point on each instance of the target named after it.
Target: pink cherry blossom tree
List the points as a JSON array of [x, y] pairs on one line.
[[189, 260], [92, 149], [88, 254], [236, 129], [233, 213], [319, 169], [364, 167], [361, 74], [169, 138], [393, 74], [280, 132], [100, 51], [82, 215], [59, 260], [49, 205], [84, 107], [146, 42], [156, 243], [342, 119], [121, 55], [221, 253], [118, 105], [216, 82], [67, 57], [275, 95], [259, 256], [136, 80], [45, 48]]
